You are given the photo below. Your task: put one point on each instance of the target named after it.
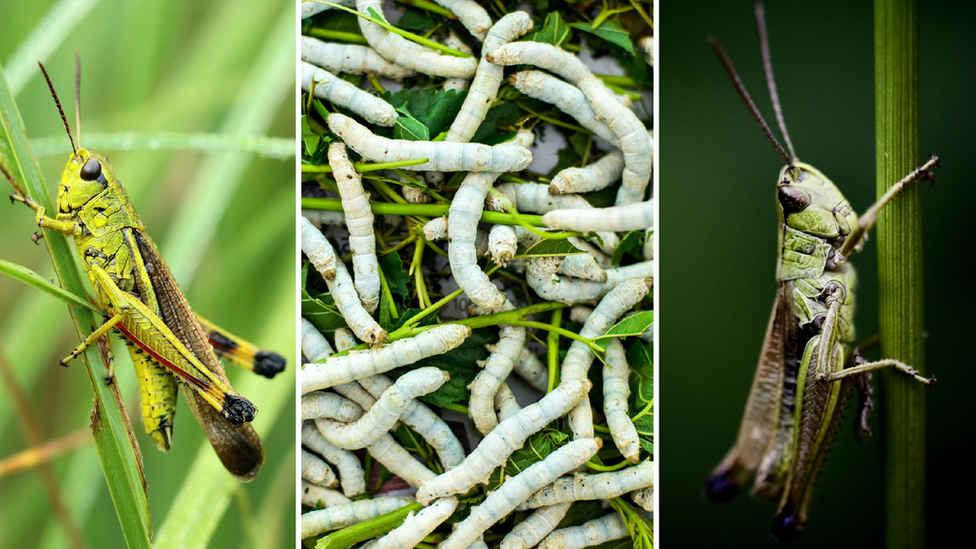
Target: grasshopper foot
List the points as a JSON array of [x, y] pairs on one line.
[[786, 527]]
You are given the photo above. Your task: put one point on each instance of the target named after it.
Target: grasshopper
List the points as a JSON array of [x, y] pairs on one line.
[[807, 367], [170, 346]]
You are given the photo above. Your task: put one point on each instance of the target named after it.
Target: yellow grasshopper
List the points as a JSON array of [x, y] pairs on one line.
[[170, 346]]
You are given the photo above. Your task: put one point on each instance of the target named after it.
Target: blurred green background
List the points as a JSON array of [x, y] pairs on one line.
[[224, 221], [718, 222]]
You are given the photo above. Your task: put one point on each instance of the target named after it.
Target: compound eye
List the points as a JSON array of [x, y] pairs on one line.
[[793, 199], [91, 170]]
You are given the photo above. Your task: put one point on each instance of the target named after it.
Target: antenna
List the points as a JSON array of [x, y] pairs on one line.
[[770, 80], [57, 102]]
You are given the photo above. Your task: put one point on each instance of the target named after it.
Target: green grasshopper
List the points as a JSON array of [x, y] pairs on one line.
[[807, 368], [170, 346]]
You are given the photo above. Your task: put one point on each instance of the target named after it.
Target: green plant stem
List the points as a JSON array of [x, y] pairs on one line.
[[561, 331], [428, 6], [900, 269], [607, 468], [338, 36], [552, 351], [408, 35], [362, 167], [426, 210]]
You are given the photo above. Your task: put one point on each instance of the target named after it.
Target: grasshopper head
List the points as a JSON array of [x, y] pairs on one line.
[[86, 175], [810, 203]]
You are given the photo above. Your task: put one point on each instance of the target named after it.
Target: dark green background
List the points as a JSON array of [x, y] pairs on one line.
[[718, 234]]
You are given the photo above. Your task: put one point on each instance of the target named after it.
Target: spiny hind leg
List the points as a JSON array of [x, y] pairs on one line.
[[878, 365]]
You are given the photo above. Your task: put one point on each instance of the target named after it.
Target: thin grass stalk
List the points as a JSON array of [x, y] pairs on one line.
[[900, 270]]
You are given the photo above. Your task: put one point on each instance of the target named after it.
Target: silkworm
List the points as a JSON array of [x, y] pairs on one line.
[[532, 370], [541, 55], [416, 526], [407, 54], [502, 244], [647, 250], [318, 250], [592, 532], [582, 266], [341, 288], [496, 370], [504, 439], [322, 217], [592, 177], [426, 423], [632, 217], [463, 218], [616, 390], [452, 41], [314, 345], [317, 471], [387, 410], [341, 516], [344, 339], [336, 90], [540, 274], [488, 78], [535, 198], [579, 357], [414, 195], [398, 461], [644, 269], [321, 404], [359, 221], [351, 474], [566, 97], [588, 487], [536, 526], [350, 59], [319, 497], [471, 15], [505, 403], [514, 490], [442, 156], [436, 229], [647, 44], [644, 498], [359, 364]]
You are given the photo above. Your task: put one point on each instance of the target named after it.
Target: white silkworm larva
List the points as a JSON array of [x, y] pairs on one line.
[[647, 250], [579, 357], [387, 410], [407, 54], [318, 250], [351, 474], [463, 217], [502, 244], [359, 221], [319, 497], [644, 498], [632, 217], [426, 423], [548, 57], [342, 290], [414, 195], [354, 391], [452, 41], [341, 516], [399, 461], [592, 177], [314, 345], [536, 526], [532, 370], [535, 198], [497, 367], [540, 274], [332, 88], [471, 15], [311, 8], [616, 390], [488, 77], [360, 364], [504, 439], [350, 59], [582, 266], [505, 403], [321, 404], [514, 490], [644, 269], [442, 156], [566, 97], [344, 339], [588, 487], [647, 44], [436, 229], [602, 259], [416, 526], [592, 532], [580, 313], [322, 217], [317, 471]]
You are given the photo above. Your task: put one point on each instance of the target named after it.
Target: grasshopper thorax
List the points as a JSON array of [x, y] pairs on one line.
[[810, 203], [86, 175]]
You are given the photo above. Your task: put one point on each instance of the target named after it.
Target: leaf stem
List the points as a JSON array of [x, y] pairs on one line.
[[426, 210], [552, 350], [363, 167], [408, 35]]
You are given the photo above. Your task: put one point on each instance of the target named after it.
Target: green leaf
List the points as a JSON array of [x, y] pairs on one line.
[[640, 529], [398, 280], [630, 243], [554, 32], [409, 128], [415, 20], [642, 392], [611, 31], [631, 326], [548, 248]]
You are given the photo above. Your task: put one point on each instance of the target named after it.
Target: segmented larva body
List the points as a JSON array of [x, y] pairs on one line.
[[505, 403], [387, 410], [644, 498], [360, 364], [616, 390], [426, 423], [342, 289], [588, 487], [647, 44], [592, 177], [351, 474], [488, 77], [632, 217], [407, 54], [318, 250], [602, 259], [644, 269], [436, 229], [471, 15], [317, 471], [548, 57], [354, 391], [497, 367], [538, 525], [647, 250], [566, 97], [350, 59], [311, 8], [442, 156], [416, 526], [341, 516], [322, 217], [591, 533], [540, 274], [535, 198], [452, 41], [314, 345], [514, 490], [502, 244], [319, 497], [399, 461], [321, 404], [463, 217], [532, 370], [332, 88], [582, 266], [579, 357], [580, 313], [359, 221], [504, 439], [344, 339]]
